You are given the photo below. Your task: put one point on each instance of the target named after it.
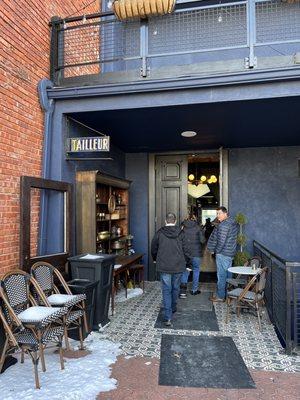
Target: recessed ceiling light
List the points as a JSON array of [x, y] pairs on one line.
[[188, 133]]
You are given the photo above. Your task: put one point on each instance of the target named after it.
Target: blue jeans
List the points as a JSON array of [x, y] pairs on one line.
[[223, 263], [170, 284], [196, 263]]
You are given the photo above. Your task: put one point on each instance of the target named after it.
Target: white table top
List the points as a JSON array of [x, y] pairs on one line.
[[242, 270]]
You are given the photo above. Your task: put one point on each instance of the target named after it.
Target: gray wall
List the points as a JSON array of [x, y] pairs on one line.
[[137, 171], [264, 185]]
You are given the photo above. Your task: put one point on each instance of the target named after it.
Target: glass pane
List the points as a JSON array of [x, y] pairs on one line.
[[47, 222]]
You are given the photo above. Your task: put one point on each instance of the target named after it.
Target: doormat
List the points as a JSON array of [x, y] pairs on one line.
[[202, 361], [199, 302], [192, 320]]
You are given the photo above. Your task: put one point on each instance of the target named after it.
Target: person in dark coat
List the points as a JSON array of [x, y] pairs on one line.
[[169, 251], [222, 242], [208, 228], [195, 238]]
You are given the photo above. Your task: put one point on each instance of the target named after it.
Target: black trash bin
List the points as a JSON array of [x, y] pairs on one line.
[[84, 286], [100, 268]]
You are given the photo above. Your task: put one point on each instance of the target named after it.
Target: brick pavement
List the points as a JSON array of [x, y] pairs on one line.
[[139, 381]]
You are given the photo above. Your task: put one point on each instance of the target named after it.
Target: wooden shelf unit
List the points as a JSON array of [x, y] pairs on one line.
[[93, 190]]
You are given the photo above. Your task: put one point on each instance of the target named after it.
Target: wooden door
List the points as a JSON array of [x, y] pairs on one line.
[[170, 187]]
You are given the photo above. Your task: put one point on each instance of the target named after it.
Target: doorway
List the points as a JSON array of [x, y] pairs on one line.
[[183, 183]]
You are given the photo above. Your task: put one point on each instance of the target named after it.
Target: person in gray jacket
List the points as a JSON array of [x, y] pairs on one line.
[[169, 251], [222, 243]]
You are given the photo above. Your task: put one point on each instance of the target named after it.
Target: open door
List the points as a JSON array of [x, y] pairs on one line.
[[170, 188]]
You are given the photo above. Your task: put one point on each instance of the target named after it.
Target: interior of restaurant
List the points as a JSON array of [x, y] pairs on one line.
[[203, 200]]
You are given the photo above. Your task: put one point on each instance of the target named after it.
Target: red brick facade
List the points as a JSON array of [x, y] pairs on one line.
[[24, 60]]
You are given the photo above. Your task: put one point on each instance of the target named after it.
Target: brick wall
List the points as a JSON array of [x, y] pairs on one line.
[[24, 60]]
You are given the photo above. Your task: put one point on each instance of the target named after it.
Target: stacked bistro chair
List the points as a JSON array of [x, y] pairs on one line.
[[239, 281], [28, 326], [250, 297], [46, 274]]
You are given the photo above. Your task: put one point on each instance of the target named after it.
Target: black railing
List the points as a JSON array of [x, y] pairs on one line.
[[282, 296], [244, 34]]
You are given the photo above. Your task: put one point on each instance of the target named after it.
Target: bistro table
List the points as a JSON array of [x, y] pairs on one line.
[[122, 265], [243, 270]]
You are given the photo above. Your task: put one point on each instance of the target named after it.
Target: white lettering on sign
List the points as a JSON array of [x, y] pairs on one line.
[[89, 144]]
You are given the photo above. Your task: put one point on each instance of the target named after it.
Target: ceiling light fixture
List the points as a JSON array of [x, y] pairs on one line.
[[188, 134]]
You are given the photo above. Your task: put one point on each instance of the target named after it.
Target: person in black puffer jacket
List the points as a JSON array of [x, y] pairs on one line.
[[194, 237], [222, 243], [169, 251]]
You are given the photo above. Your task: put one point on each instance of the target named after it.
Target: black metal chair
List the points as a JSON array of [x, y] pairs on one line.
[[28, 326], [45, 274]]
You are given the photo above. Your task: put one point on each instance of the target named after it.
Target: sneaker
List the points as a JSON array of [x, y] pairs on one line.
[[168, 322], [215, 299], [195, 293], [183, 290]]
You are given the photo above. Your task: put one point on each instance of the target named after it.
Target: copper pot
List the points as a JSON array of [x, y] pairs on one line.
[[117, 245]]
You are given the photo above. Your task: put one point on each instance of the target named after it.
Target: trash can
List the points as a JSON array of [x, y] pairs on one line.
[[84, 286], [96, 267]]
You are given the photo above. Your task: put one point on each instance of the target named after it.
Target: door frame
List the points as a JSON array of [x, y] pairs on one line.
[[223, 158], [58, 259]]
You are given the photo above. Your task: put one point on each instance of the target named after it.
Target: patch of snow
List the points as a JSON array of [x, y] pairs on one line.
[[120, 297], [82, 379]]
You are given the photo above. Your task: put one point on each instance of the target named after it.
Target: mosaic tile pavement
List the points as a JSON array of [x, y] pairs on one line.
[[133, 327]]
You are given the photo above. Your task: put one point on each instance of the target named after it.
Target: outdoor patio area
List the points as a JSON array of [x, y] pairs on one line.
[[133, 327], [122, 361]]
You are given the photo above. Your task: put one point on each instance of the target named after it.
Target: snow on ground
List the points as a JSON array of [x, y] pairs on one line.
[[82, 379], [120, 296]]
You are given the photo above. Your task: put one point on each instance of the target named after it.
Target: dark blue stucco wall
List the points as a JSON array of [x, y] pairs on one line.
[[137, 172], [265, 186]]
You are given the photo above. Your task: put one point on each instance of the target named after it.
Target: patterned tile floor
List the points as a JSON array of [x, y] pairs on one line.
[[133, 326]]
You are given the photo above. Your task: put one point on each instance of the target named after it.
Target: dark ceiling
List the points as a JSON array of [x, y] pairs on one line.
[[272, 122]]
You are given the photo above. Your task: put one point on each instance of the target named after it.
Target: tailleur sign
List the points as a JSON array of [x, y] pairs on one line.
[[88, 144]]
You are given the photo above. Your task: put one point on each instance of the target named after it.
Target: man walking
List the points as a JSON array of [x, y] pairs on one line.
[[170, 253], [223, 242]]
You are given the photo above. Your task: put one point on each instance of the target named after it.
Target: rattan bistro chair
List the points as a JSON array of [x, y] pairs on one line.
[[28, 326], [45, 274], [252, 296]]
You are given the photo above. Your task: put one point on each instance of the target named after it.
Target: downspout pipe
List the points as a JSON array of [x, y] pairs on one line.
[[47, 106]]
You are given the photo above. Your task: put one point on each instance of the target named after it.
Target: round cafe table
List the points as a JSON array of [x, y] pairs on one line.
[[242, 270]]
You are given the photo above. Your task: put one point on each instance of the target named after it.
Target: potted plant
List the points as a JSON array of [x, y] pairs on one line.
[[241, 256]]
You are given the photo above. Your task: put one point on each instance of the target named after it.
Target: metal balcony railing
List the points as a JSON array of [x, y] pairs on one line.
[[98, 44]]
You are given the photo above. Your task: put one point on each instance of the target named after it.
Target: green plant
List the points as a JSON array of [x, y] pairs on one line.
[[241, 257], [241, 219], [241, 239]]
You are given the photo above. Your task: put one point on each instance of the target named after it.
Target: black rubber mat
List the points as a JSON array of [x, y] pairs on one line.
[[197, 320], [199, 302], [202, 361]]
